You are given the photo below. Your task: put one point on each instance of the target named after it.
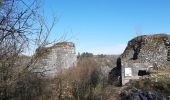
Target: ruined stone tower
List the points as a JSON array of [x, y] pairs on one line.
[[142, 54], [56, 58]]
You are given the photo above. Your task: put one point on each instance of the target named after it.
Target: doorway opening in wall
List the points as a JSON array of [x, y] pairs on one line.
[[143, 72]]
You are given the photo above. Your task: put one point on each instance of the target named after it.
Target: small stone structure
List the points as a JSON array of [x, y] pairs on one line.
[[134, 71], [56, 58]]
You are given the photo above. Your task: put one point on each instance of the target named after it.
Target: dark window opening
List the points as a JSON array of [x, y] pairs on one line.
[[136, 49], [118, 63], [143, 72], [135, 55]]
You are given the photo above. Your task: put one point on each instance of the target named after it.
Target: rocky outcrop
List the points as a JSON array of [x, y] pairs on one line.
[[137, 94]]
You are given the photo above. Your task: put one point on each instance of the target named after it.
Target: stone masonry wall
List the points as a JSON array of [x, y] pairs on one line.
[[56, 58], [147, 49], [142, 53]]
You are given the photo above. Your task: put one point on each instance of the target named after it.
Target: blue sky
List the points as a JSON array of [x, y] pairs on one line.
[[105, 26]]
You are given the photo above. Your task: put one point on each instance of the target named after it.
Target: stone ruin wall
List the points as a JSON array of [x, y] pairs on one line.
[[149, 49], [143, 53], [131, 71], [59, 57]]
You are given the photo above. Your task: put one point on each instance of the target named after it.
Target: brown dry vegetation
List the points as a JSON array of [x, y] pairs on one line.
[[82, 82], [20, 30]]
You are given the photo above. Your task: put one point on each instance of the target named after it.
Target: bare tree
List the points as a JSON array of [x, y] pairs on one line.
[[21, 28]]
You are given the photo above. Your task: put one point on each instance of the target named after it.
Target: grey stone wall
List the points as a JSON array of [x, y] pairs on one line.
[[134, 69], [150, 49], [142, 53], [57, 58]]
